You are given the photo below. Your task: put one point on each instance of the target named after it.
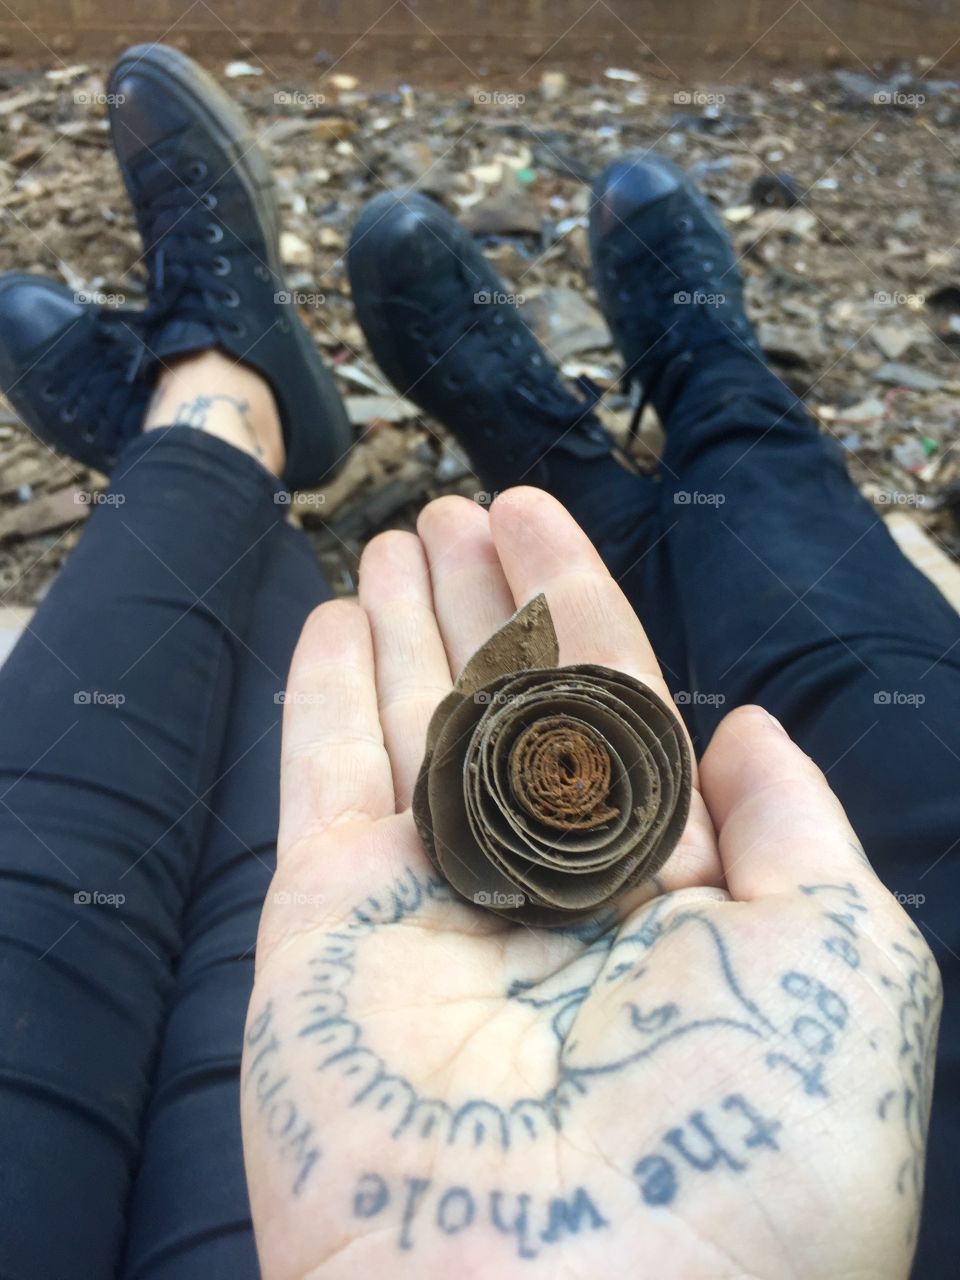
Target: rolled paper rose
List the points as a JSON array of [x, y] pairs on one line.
[[546, 791]]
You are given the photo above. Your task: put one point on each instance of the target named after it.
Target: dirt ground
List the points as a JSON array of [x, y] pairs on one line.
[[841, 192]]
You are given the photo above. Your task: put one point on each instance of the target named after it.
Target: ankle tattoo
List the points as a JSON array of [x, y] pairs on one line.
[[196, 412]]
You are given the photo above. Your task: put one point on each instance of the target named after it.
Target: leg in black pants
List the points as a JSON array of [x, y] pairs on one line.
[[113, 742], [789, 592], [190, 1214]]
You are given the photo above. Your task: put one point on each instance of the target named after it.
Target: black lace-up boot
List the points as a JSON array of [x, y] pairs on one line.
[[447, 334], [206, 210], [69, 368], [666, 275]]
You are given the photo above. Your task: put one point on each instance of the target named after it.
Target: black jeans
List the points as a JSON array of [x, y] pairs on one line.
[[760, 576]]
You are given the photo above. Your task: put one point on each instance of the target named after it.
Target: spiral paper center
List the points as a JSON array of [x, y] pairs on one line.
[[560, 773]]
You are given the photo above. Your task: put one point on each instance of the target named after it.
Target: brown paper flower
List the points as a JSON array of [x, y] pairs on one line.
[[545, 791]]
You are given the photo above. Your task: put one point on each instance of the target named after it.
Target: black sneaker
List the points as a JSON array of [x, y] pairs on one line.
[[665, 273], [444, 330], [68, 367], [206, 209]]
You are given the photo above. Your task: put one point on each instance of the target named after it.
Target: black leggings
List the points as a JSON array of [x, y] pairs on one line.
[[138, 792]]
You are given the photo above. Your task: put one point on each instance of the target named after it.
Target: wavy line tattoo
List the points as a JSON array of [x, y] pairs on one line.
[[801, 1034]]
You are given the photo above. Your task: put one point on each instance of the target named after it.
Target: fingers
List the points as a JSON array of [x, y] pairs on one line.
[[542, 548], [334, 767], [411, 666], [471, 594], [779, 823]]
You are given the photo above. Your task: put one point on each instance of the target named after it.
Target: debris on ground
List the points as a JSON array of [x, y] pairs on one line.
[[839, 190]]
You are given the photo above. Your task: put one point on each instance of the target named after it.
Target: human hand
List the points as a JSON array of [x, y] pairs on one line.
[[725, 1075]]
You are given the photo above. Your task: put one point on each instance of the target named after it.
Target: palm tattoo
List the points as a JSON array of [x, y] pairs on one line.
[[702, 1081]]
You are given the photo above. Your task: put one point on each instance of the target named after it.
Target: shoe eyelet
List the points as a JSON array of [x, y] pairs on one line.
[[196, 170], [497, 318], [221, 265], [236, 327], [49, 392], [708, 264], [611, 273], [209, 200], [684, 222], [515, 340], [88, 436], [214, 233], [536, 358], [230, 298], [68, 415], [416, 332], [261, 272], [453, 383]]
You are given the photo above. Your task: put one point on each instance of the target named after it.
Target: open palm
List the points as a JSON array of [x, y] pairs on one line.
[[726, 1075]]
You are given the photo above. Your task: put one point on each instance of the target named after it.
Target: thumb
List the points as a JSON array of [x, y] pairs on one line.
[[778, 823]]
